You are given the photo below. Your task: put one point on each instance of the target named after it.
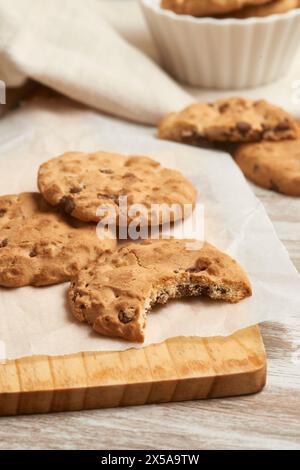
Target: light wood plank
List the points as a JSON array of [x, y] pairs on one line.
[[178, 369]]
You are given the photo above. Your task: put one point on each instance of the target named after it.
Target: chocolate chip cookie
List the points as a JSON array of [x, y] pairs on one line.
[[228, 120], [207, 7], [80, 183], [115, 294], [272, 165], [40, 246]]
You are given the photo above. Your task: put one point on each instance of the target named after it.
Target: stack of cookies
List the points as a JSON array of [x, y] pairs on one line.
[[230, 8], [266, 138], [51, 237]]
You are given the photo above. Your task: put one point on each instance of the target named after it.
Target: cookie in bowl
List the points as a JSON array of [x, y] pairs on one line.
[[224, 52], [267, 9]]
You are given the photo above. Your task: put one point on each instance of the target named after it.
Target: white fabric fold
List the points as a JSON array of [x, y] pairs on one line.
[[69, 47]]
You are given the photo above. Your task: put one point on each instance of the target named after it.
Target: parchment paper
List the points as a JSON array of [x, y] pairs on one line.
[[37, 320]]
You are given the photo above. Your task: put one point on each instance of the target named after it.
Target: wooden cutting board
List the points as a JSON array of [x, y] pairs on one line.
[[184, 368]]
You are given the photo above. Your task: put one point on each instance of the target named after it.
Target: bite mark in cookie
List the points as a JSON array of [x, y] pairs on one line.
[[81, 182], [228, 120], [115, 294]]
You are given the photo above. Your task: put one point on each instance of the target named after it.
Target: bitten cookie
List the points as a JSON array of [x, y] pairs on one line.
[[228, 120], [270, 8], [81, 182], [40, 246], [115, 294], [272, 165], [207, 7]]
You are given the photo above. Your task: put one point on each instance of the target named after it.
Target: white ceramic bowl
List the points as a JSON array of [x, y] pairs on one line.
[[224, 53]]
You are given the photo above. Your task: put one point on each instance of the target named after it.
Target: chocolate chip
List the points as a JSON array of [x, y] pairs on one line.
[[82, 306], [67, 204], [4, 243], [283, 126], [225, 134], [126, 316], [223, 107], [2, 212], [255, 168], [33, 253], [106, 171], [243, 127], [75, 190]]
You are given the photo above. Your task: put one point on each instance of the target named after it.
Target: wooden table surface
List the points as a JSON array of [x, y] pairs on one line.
[[267, 420]]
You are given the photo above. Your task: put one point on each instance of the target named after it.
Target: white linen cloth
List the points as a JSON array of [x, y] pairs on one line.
[[99, 52], [68, 46]]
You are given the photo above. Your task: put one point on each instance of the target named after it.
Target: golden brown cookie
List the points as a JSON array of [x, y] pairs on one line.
[[228, 120], [272, 165], [40, 246], [81, 182], [115, 294], [207, 7], [270, 8]]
